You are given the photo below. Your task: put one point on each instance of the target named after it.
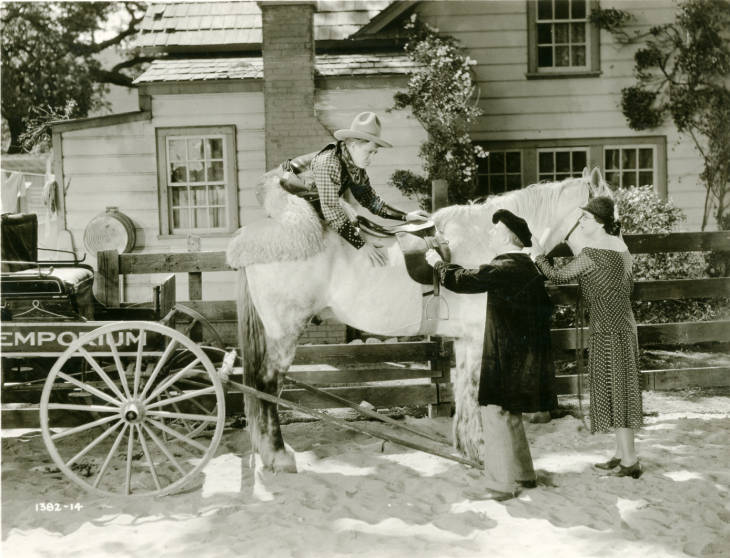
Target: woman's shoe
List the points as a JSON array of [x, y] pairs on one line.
[[608, 465], [633, 471]]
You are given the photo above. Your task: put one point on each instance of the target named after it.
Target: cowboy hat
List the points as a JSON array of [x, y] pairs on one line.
[[365, 126]]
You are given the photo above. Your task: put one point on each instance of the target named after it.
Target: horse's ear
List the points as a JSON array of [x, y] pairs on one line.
[[596, 179], [585, 173]]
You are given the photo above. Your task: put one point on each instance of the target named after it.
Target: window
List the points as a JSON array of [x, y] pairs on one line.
[[197, 177], [557, 164], [561, 38], [623, 161], [629, 165], [500, 172]]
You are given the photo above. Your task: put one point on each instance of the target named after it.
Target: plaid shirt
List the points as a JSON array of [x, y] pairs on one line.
[[335, 173]]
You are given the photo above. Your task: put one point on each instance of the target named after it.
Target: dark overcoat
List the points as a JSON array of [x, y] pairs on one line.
[[517, 373]]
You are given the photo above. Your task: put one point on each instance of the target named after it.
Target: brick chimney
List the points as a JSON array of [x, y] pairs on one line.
[[288, 52]]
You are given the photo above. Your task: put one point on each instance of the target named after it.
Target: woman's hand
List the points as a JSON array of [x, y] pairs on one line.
[[376, 253], [432, 257], [417, 216]]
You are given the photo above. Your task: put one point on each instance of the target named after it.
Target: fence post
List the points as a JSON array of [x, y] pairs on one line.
[[195, 285], [441, 363], [107, 281], [439, 194]]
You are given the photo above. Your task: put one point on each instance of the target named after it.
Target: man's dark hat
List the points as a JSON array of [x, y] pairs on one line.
[[601, 207], [516, 224]]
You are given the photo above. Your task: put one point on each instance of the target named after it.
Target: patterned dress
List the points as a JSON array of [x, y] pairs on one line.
[[606, 281]]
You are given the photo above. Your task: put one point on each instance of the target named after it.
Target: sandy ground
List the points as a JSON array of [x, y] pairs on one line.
[[354, 497]]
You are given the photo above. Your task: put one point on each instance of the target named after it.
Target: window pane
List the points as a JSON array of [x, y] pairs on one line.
[[613, 179], [514, 182], [179, 197], [513, 162], [578, 9], [545, 162], [214, 148], [178, 173], [544, 9], [176, 150], [628, 158], [545, 57], [611, 159], [561, 33], [545, 33], [579, 56], [562, 56], [496, 162], [562, 9], [562, 161], [195, 148], [180, 219], [215, 171], [563, 176], [646, 178], [197, 171], [217, 217], [628, 179], [200, 217], [646, 158], [579, 161], [199, 196], [496, 184], [577, 32], [216, 195]]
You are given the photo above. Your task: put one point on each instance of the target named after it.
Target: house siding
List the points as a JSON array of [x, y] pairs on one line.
[[517, 108]]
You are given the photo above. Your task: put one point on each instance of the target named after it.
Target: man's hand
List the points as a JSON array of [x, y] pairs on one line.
[[417, 216], [432, 257], [376, 253]]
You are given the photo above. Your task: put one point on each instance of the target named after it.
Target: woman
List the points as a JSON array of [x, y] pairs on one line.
[[604, 274]]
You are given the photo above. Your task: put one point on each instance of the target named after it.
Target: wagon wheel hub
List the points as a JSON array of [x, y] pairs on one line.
[[133, 412]]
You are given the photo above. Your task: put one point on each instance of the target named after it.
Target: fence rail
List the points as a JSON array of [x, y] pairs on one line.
[[377, 357]]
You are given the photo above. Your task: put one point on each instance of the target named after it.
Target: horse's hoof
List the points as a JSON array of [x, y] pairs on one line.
[[284, 462]]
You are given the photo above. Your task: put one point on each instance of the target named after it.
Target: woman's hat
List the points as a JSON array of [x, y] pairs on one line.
[[516, 224], [601, 207], [365, 126]]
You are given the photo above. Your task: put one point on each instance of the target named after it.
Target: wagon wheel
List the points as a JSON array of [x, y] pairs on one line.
[[209, 335], [138, 400]]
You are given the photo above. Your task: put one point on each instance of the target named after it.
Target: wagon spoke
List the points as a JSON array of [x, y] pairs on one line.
[[83, 427], [93, 444], [147, 455], [102, 374], [182, 416], [109, 456], [138, 363], [120, 366], [91, 389], [163, 448], [167, 383], [89, 408], [183, 397], [128, 470], [160, 363], [177, 435]]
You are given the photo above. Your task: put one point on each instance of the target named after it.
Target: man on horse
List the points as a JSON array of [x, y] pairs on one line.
[[517, 373], [340, 167]]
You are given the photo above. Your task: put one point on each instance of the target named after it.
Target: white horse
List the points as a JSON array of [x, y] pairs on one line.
[[323, 274]]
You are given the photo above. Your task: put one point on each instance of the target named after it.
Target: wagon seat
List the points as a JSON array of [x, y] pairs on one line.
[[33, 289]]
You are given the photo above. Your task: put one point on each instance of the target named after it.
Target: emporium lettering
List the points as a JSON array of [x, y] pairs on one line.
[[10, 339]]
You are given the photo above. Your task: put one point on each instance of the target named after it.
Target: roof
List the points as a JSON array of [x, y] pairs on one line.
[[197, 69], [189, 24]]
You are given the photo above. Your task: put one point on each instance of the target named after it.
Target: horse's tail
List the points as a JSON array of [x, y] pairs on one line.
[[251, 336]]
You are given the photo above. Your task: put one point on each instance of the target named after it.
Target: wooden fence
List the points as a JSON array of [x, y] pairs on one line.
[[368, 363]]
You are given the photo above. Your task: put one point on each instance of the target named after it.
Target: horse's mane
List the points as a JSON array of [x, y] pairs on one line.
[[533, 203]]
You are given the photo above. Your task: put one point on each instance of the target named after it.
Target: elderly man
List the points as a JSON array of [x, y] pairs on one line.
[[340, 167], [517, 372]]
